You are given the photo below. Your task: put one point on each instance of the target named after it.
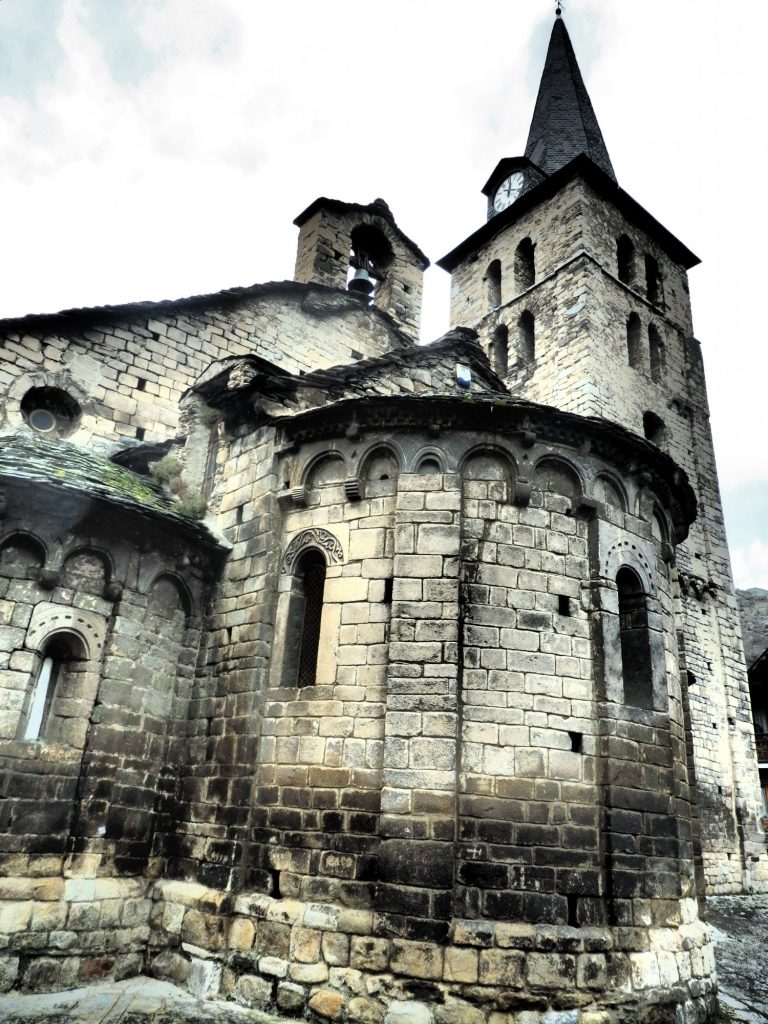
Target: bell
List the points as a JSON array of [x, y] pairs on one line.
[[361, 282]]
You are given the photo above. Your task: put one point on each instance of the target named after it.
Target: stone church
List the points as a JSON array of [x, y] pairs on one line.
[[372, 681]]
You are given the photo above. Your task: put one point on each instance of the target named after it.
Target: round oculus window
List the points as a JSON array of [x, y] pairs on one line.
[[50, 411], [42, 420]]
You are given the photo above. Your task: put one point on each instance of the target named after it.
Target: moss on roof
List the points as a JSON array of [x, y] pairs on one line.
[[59, 464]]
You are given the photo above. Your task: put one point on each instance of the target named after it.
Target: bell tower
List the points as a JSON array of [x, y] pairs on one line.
[[580, 298]]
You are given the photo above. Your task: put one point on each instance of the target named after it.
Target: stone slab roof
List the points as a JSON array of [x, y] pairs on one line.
[[581, 166], [422, 369], [305, 294], [50, 462]]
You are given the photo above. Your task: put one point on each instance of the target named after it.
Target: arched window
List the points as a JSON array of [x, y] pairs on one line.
[[500, 350], [654, 429], [369, 259], [656, 350], [635, 641], [309, 608], [493, 281], [525, 265], [526, 339], [634, 348], [61, 661], [50, 411], [652, 281], [625, 257]]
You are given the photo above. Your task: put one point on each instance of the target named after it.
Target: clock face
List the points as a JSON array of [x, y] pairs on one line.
[[508, 191]]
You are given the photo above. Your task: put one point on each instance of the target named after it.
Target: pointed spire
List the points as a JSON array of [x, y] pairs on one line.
[[564, 123]]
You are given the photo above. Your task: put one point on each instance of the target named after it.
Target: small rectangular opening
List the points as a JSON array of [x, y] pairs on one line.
[[573, 920], [140, 433], [563, 604], [388, 586], [576, 738], [239, 514], [142, 384]]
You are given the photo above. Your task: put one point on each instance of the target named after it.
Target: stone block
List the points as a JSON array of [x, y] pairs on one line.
[[416, 959], [365, 1011], [241, 933], [328, 1004], [254, 991], [305, 945], [290, 998], [204, 978], [274, 966], [460, 964], [9, 971], [502, 967], [335, 948], [368, 954], [591, 971], [310, 974], [322, 916], [14, 916], [408, 1012], [550, 970], [458, 1014], [644, 969]]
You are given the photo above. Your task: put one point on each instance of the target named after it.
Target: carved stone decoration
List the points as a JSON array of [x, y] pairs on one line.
[[113, 591], [299, 495], [314, 538], [50, 618], [48, 579], [585, 507], [696, 586], [352, 488]]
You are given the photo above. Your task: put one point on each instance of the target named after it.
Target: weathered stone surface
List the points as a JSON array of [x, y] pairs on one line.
[[327, 1004]]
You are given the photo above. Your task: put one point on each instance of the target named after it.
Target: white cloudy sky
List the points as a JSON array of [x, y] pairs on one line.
[[158, 148]]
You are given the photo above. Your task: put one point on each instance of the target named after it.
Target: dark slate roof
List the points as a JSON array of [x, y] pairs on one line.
[[458, 342], [311, 296], [564, 123], [605, 186], [54, 463], [235, 378]]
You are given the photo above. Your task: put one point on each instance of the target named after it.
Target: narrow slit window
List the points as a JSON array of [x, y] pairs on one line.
[[635, 640], [634, 348], [526, 339], [652, 281], [525, 265], [41, 699], [625, 257], [493, 282], [312, 571], [656, 351], [654, 429], [46, 717], [500, 350]]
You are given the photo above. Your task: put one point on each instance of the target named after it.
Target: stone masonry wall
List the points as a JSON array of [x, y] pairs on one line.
[[128, 367], [323, 257], [582, 363], [461, 819]]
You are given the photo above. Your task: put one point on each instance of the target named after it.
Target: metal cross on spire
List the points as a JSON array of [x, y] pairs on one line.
[[559, 10]]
